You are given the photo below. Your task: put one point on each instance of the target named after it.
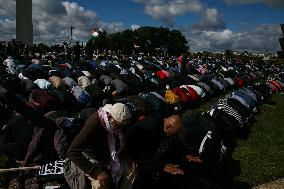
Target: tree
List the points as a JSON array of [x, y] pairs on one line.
[[150, 40], [229, 54]]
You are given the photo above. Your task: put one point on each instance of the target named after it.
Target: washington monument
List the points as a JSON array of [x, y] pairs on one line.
[[24, 25]]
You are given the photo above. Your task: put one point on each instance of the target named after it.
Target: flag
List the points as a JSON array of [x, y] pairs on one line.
[[95, 33]]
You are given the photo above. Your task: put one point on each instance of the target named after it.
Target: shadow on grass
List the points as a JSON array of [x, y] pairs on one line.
[[230, 170], [244, 133], [217, 177], [271, 102]]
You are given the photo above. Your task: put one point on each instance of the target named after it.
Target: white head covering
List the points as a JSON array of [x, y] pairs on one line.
[[118, 111]]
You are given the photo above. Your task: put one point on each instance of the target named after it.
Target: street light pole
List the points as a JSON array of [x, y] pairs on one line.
[[71, 33]]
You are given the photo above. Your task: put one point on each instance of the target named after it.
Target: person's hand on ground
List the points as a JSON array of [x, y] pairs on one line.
[[103, 178], [191, 158], [173, 169]]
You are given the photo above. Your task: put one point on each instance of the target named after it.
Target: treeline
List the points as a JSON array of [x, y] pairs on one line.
[[146, 39]]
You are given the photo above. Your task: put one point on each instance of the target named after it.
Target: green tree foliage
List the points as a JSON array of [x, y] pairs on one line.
[[229, 53], [41, 48], [150, 40]]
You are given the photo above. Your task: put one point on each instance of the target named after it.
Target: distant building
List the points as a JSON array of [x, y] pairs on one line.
[[24, 25], [281, 40]]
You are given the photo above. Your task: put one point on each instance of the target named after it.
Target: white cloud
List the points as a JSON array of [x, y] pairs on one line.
[[49, 7], [167, 11], [7, 29], [210, 20], [7, 8], [263, 38], [219, 38], [134, 27], [52, 20], [110, 27], [7, 19]]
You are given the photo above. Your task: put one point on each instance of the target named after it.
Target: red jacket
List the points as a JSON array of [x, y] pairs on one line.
[[182, 95], [161, 74], [276, 84], [239, 82], [180, 59], [192, 92]]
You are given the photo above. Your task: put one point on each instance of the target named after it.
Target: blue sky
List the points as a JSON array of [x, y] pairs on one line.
[[236, 16], [212, 25], [125, 11]]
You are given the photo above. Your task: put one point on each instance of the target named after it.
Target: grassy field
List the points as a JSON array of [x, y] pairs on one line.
[[261, 155]]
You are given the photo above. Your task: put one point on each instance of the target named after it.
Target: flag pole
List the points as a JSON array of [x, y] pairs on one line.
[[20, 169]]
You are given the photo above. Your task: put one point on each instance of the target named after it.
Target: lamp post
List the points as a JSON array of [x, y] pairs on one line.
[[71, 33]]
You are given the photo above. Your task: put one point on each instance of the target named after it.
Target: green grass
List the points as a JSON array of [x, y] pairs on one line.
[[261, 156]]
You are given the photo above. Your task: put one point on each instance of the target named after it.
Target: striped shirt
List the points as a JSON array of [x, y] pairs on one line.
[[223, 105]]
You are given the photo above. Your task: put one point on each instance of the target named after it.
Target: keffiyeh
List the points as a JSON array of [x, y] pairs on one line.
[[116, 166]]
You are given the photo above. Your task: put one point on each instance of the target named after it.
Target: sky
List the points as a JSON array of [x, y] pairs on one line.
[[208, 25]]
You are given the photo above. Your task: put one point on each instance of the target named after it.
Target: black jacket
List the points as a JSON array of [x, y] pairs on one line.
[[147, 144]]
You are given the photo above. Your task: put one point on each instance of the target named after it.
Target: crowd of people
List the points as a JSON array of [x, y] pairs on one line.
[[120, 121]]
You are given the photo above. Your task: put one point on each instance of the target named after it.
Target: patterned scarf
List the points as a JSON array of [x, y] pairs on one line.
[[116, 166]]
